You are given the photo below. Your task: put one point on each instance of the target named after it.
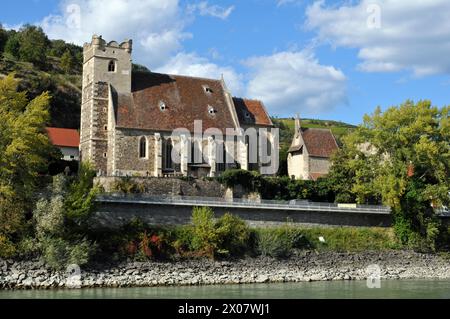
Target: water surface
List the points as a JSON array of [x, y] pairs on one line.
[[416, 289]]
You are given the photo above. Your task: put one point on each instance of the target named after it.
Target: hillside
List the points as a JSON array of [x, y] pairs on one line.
[[65, 89]]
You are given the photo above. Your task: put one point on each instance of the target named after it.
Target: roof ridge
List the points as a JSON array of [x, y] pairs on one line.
[[247, 99], [185, 76]]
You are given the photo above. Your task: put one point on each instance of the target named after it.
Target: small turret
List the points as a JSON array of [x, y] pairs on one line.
[[128, 46], [97, 42], [297, 124]]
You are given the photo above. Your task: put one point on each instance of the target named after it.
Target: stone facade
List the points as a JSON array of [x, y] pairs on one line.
[[169, 186], [126, 126]]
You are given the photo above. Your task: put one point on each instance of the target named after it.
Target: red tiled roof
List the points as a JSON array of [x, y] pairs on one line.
[[63, 137], [319, 142], [185, 99], [251, 112]]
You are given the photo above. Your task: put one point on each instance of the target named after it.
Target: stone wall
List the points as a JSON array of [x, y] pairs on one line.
[[127, 158], [118, 213], [169, 186]]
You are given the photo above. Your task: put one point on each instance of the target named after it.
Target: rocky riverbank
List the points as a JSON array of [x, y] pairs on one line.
[[306, 266]]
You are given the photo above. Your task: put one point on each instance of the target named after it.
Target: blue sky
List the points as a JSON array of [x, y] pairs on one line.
[[322, 59]]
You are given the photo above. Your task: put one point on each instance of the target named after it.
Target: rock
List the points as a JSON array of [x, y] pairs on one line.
[[262, 279]]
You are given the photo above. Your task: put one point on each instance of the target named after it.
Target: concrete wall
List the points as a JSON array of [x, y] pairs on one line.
[[117, 214]]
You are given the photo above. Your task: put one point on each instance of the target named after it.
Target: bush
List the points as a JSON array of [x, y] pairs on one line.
[[80, 199], [227, 236], [280, 242], [205, 237], [233, 234], [59, 253], [249, 180], [28, 248], [183, 239], [12, 219], [49, 217], [7, 248]]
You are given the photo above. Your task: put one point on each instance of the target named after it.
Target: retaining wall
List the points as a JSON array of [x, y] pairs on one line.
[[114, 214]]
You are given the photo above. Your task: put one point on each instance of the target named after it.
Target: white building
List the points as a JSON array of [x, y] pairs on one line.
[[67, 140], [310, 152]]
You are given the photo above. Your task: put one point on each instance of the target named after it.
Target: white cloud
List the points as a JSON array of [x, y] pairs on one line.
[[193, 65], [412, 35], [216, 11], [156, 26], [289, 82]]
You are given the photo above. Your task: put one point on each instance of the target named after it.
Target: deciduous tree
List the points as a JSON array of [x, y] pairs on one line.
[[402, 156]]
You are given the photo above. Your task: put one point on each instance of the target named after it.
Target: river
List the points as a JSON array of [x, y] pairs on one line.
[[416, 289]]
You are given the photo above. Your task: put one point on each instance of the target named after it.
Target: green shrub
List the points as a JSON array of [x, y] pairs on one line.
[[227, 236], [205, 237], [183, 239], [59, 253], [80, 200], [249, 180], [49, 217], [28, 247], [233, 234], [7, 248], [274, 244], [279, 242]]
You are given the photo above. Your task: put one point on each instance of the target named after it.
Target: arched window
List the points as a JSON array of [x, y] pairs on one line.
[[143, 147], [112, 66], [167, 154]]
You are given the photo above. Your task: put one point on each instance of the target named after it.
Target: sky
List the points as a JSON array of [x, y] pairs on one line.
[[334, 60]]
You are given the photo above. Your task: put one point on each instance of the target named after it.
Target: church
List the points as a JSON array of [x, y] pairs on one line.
[[128, 118]]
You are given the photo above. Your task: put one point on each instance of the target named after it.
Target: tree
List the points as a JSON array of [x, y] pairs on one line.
[[67, 62], [23, 148], [3, 38], [401, 156], [33, 45], [12, 45]]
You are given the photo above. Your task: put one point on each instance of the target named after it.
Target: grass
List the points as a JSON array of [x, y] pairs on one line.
[[352, 239], [343, 239], [337, 128]]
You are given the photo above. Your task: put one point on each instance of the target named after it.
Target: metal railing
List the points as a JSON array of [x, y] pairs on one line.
[[302, 205]]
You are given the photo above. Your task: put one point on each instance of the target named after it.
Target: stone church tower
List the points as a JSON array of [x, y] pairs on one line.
[[107, 71]]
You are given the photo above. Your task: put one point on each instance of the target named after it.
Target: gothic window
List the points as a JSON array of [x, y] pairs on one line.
[[112, 66], [143, 147], [167, 155]]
